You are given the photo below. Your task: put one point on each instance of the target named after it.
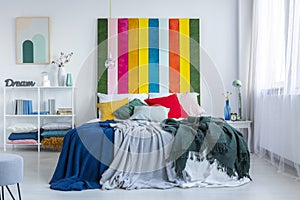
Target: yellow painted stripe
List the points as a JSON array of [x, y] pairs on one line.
[[184, 45], [133, 56], [143, 56]]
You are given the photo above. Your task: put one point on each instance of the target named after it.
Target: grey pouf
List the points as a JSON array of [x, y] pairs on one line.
[[11, 171]]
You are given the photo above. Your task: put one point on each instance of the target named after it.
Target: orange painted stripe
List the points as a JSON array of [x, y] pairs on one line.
[[174, 58], [133, 55]]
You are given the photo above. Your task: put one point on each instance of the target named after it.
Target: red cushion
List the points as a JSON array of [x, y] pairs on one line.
[[176, 111]]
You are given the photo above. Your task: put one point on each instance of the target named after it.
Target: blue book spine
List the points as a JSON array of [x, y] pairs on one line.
[[25, 107], [29, 107]]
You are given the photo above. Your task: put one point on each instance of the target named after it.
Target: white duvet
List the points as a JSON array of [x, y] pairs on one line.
[[141, 150]]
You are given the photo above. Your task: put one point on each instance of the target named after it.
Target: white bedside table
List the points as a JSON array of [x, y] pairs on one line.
[[240, 125]]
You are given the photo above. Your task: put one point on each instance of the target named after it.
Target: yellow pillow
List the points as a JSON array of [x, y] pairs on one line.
[[108, 108]]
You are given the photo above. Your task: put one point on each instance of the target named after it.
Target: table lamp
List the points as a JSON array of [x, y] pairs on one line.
[[238, 84]]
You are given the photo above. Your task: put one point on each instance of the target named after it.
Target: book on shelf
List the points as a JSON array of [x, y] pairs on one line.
[[64, 111], [23, 107], [41, 113]]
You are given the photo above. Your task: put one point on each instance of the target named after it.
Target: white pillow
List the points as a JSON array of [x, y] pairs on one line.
[[22, 128], [189, 102], [57, 126], [114, 97], [151, 113], [158, 95]]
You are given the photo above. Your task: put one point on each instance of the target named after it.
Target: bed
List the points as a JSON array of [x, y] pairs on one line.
[[134, 154], [151, 131]]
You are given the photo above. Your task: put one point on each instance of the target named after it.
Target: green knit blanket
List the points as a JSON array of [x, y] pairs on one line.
[[211, 136]]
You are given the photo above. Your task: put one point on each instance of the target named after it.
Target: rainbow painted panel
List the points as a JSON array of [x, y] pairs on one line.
[[151, 55]]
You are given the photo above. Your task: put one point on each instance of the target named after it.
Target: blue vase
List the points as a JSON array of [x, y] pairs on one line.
[[227, 110]]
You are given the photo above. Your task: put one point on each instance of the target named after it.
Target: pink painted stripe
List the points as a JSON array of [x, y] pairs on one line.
[[113, 50], [123, 56]]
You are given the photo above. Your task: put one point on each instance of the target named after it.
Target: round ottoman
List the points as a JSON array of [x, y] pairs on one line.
[[11, 171]]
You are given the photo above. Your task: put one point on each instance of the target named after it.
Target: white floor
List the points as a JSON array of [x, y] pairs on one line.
[[267, 184]]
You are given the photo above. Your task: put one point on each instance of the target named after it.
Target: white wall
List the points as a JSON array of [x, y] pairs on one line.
[[74, 28]]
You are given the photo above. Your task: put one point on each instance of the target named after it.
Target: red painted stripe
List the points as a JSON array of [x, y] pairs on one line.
[[123, 56], [174, 58]]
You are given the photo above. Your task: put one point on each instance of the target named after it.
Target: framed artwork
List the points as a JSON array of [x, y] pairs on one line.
[[32, 40]]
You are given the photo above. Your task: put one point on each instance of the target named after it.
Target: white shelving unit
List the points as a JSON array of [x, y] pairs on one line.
[[64, 98]]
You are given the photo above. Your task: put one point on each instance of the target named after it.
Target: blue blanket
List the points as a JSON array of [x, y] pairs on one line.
[[87, 151], [23, 136]]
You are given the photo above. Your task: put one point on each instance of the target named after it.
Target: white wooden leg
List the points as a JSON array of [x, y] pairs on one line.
[[249, 137]]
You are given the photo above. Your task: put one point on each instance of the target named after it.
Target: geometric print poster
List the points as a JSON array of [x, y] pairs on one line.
[[32, 40]]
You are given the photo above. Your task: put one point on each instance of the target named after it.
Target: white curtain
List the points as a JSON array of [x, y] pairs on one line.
[[275, 81]]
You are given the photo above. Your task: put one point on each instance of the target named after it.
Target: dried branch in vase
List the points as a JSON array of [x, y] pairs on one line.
[[63, 59]]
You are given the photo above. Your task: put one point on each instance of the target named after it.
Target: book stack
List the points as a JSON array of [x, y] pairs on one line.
[[23, 107], [64, 111]]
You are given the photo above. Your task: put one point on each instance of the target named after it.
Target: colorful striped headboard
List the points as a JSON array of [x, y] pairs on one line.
[[151, 55]]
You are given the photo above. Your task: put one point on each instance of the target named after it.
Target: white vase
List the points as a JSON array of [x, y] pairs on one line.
[[61, 76]]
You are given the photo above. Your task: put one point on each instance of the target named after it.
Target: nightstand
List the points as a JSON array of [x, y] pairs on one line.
[[243, 125]]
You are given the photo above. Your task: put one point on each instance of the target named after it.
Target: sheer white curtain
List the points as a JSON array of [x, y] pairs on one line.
[[275, 72]]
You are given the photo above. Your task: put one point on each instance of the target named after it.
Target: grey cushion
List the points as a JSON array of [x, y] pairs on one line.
[[127, 110], [151, 113], [11, 169]]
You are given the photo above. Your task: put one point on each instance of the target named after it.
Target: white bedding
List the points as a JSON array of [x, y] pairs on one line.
[[141, 150], [204, 174]]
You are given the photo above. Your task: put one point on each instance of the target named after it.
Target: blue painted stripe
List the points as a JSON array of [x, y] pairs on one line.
[[153, 56]]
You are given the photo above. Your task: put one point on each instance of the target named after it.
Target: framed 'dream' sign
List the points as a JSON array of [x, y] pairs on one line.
[[32, 40]]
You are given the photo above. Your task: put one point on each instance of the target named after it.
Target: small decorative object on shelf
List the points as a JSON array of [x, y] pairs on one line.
[[227, 109], [45, 79], [233, 116], [11, 83], [51, 106], [61, 76], [69, 81], [61, 62]]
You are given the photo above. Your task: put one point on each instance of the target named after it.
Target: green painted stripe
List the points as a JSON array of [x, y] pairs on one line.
[[195, 56], [102, 55]]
